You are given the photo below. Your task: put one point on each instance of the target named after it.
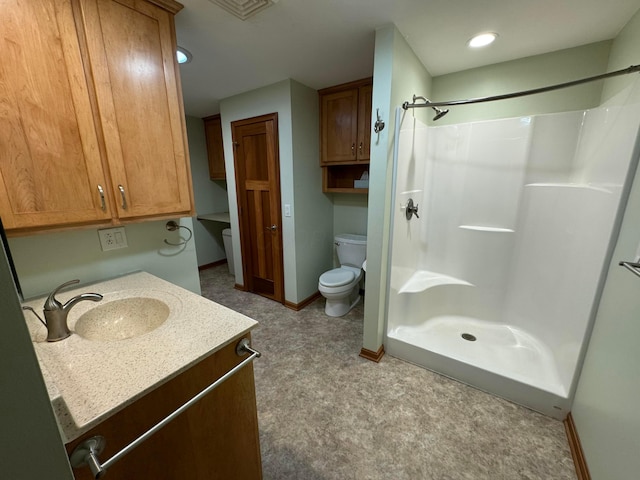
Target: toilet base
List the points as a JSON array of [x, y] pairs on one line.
[[341, 306]]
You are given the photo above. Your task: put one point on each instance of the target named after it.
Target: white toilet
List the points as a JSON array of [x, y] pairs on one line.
[[341, 286]]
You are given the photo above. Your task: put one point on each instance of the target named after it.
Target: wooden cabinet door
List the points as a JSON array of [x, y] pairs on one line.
[[339, 126], [364, 122], [215, 439], [50, 163], [215, 150], [131, 46]]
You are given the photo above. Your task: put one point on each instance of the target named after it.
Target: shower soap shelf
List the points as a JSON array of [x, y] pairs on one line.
[[422, 280], [482, 228]]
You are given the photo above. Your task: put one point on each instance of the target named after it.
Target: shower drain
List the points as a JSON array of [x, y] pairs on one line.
[[469, 337]]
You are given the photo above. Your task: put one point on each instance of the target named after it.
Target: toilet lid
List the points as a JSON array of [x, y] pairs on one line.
[[337, 277]]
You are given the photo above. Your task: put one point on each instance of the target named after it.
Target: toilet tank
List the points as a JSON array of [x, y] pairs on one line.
[[351, 249]]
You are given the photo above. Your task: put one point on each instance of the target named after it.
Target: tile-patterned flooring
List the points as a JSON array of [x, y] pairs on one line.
[[325, 413]]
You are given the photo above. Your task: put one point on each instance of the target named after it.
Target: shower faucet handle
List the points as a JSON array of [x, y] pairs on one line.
[[411, 209]]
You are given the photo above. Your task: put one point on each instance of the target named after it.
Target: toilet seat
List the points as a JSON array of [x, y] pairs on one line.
[[337, 277]]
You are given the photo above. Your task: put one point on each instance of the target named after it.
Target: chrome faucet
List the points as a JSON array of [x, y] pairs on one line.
[[55, 313]]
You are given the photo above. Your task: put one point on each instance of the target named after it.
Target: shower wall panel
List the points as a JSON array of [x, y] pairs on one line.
[[516, 218]]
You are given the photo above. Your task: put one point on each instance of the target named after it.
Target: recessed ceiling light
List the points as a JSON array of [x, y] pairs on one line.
[[482, 40], [183, 55]]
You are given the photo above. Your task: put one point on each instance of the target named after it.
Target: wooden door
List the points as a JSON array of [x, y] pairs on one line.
[[257, 170], [131, 47], [51, 169]]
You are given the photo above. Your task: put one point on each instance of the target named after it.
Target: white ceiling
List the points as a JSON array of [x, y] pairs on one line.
[[326, 42]]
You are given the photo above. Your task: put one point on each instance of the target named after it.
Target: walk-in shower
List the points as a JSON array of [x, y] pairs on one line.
[[495, 282]]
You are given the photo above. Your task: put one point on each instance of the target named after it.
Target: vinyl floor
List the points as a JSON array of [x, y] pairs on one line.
[[327, 414]]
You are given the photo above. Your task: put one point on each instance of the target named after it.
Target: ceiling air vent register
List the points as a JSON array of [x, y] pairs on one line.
[[244, 9]]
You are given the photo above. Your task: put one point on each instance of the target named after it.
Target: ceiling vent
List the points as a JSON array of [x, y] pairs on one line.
[[244, 9]]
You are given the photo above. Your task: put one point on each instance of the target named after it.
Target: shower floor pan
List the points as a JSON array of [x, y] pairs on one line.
[[496, 358]]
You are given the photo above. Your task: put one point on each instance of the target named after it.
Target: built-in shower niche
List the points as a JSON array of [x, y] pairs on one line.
[[494, 284]]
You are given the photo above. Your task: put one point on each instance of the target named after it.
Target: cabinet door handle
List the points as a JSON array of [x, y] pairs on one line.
[[103, 204], [360, 148], [124, 197], [353, 149]]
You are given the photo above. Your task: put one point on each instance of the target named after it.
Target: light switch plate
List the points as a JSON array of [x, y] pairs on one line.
[[112, 238]]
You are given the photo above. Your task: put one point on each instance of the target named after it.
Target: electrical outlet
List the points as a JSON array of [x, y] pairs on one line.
[[112, 238]]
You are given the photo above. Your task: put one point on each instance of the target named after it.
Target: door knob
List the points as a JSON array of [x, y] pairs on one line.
[[273, 228]]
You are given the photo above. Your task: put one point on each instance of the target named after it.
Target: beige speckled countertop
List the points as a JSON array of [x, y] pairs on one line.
[[88, 380]]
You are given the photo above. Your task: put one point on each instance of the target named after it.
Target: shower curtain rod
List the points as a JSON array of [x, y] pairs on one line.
[[624, 71]]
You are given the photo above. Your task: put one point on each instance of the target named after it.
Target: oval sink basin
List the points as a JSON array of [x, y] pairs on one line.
[[121, 319]]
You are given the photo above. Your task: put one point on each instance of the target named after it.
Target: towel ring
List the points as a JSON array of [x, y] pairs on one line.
[[173, 226]]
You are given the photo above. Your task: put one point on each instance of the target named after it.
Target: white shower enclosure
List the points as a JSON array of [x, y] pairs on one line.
[[496, 283]]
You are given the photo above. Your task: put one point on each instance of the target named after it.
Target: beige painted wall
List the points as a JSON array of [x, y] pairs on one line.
[[605, 407], [524, 74]]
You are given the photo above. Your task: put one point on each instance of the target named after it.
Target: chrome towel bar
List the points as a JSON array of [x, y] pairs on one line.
[[86, 453], [632, 267]]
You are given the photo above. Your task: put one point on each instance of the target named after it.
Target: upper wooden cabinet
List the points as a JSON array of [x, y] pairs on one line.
[[51, 168], [92, 125], [132, 50], [345, 123], [215, 150]]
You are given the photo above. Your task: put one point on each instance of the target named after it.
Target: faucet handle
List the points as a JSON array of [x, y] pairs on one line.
[[51, 303]]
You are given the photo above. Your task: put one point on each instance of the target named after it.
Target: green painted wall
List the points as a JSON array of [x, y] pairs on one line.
[[625, 52], [272, 98], [350, 213], [45, 261], [397, 75], [209, 196], [312, 210], [524, 74], [605, 407], [299, 176], [31, 444]]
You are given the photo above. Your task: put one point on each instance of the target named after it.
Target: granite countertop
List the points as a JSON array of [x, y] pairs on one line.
[[89, 380]]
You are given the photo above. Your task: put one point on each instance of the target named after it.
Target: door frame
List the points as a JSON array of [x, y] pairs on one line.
[[276, 201]]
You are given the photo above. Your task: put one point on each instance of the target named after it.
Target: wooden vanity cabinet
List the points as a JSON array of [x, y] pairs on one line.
[[215, 439], [92, 130], [345, 134], [215, 149]]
